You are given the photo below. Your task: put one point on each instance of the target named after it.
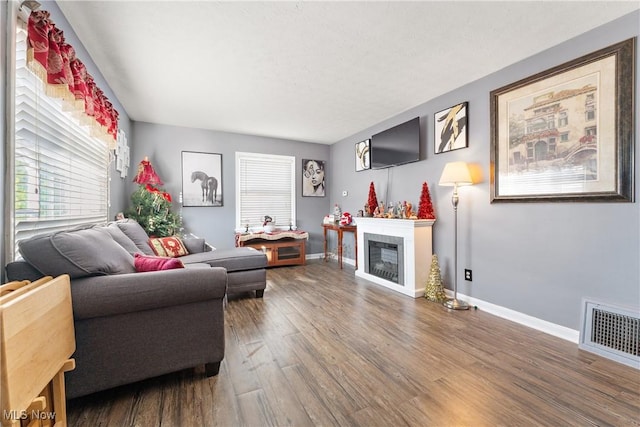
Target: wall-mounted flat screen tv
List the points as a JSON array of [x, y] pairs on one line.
[[396, 146]]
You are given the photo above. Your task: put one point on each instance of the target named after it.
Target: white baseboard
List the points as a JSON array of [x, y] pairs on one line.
[[331, 256], [497, 310], [521, 318]]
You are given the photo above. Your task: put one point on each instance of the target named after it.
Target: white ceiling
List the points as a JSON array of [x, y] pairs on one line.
[[306, 70]]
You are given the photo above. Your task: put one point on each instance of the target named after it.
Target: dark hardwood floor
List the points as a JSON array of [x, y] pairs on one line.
[[324, 348]]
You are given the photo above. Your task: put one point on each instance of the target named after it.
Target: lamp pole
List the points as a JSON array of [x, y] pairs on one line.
[[454, 303]]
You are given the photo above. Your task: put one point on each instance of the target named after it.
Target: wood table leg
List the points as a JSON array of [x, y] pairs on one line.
[[355, 239], [340, 247], [325, 243]]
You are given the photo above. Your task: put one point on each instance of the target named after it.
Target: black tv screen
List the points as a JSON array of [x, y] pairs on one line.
[[396, 146]]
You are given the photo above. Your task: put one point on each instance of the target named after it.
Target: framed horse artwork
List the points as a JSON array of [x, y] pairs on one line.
[[201, 179]]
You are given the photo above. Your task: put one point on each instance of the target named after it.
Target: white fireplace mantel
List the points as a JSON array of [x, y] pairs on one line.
[[417, 238]]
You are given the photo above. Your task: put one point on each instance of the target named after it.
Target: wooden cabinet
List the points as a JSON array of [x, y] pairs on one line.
[[280, 252]]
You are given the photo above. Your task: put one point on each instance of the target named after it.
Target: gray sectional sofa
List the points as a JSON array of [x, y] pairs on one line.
[[130, 326]]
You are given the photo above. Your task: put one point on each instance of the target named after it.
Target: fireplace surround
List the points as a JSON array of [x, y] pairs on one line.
[[384, 257], [405, 242]]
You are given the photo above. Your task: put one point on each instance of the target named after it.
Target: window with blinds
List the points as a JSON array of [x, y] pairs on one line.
[[265, 185], [61, 171]]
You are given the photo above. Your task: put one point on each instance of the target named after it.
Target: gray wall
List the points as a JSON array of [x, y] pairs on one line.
[[164, 144], [539, 259]]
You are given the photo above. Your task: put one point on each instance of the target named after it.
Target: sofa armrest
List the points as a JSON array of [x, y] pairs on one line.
[[125, 293], [196, 245]]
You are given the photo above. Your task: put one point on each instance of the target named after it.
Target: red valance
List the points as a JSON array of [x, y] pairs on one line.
[[66, 77]]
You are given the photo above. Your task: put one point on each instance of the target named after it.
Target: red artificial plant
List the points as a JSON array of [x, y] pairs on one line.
[[425, 208]]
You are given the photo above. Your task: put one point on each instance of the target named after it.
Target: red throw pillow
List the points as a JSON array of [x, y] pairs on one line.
[[168, 246], [155, 263]]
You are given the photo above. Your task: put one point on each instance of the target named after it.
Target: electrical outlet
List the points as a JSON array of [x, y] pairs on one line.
[[467, 274]]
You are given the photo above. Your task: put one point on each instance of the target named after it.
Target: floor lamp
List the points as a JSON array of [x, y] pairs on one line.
[[455, 174]]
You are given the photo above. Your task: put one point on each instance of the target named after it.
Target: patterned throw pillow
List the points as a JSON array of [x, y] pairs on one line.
[[155, 263], [168, 246]]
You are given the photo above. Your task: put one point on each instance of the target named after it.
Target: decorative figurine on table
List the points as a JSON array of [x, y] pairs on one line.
[[268, 224], [337, 212], [346, 219]]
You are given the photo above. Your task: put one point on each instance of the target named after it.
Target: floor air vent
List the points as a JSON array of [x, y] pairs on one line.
[[612, 332]]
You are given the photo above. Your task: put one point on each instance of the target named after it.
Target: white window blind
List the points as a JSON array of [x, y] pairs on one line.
[[265, 185], [61, 171]]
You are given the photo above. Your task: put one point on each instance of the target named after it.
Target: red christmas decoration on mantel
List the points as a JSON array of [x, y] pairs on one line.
[[425, 208], [372, 201]]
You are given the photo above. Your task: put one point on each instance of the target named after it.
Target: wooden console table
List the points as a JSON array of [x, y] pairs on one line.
[[340, 229], [281, 247]]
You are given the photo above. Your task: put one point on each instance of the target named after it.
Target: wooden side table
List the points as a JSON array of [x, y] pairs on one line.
[[340, 230], [281, 247]]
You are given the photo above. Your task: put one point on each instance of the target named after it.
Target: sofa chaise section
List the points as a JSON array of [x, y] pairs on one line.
[[246, 267]]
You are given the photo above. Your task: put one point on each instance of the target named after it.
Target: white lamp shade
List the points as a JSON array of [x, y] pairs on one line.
[[456, 173]]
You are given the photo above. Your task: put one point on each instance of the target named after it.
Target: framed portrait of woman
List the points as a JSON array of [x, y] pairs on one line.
[[313, 179]]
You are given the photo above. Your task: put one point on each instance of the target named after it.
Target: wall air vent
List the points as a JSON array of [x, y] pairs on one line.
[[611, 331]]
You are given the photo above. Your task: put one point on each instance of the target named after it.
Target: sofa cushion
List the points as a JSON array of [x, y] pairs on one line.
[[144, 263], [121, 238], [195, 245], [136, 233], [235, 259], [78, 253], [168, 246]]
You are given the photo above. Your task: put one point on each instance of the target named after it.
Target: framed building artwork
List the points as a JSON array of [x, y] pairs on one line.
[[313, 178], [363, 155], [201, 179], [566, 134], [451, 128]]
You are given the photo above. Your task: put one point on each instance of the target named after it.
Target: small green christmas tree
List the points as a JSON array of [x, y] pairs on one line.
[[434, 291], [150, 205]]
